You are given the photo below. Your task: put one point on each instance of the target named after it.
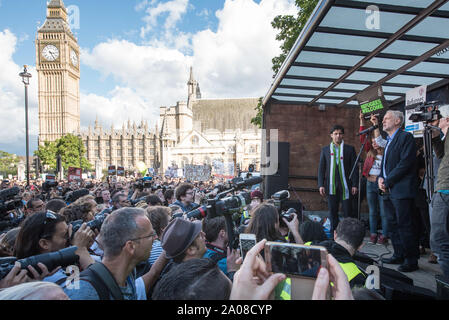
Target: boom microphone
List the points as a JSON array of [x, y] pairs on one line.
[[248, 182], [368, 130]]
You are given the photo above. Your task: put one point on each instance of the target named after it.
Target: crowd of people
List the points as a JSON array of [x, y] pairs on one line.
[[162, 238], [136, 240]]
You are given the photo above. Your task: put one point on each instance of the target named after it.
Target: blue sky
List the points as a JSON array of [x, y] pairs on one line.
[[136, 54]]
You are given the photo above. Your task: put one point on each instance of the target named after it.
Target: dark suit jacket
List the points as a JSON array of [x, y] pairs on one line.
[[400, 166], [349, 157]]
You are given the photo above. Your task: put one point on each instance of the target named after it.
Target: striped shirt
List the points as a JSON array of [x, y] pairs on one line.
[[156, 251]]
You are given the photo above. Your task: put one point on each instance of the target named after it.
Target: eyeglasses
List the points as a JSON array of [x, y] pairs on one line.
[[151, 235]]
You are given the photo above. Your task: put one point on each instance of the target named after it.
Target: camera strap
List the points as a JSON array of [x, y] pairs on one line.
[[105, 275], [218, 253]]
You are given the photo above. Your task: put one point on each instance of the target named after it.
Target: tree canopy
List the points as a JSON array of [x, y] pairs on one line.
[[69, 147], [8, 163]]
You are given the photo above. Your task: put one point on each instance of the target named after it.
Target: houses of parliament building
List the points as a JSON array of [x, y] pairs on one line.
[[198, 131]]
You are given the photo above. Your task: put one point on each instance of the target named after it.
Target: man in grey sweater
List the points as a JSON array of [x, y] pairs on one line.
[[439, 218]]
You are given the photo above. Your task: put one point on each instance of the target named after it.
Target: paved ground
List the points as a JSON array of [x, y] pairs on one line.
[[424, 277]]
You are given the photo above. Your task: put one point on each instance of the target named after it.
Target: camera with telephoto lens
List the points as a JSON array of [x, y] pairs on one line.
[[63, 258], [94, 224], [10, 200], [199, 213], [426, 112], [231, 207]]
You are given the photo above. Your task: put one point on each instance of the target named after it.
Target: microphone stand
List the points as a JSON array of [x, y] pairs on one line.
[[357, 162]]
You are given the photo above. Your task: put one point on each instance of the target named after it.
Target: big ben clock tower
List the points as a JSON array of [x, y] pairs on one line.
[[58, 68]]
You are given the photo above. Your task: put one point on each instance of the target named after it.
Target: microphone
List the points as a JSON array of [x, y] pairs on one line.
[[367, 130], [248, 182]]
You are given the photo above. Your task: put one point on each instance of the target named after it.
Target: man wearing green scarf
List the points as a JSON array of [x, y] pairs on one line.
[[336, 162]]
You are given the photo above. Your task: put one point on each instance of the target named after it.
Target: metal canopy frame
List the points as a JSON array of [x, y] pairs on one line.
[[338, 70]]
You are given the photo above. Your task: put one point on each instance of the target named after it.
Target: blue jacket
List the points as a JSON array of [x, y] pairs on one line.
[[400, 166]]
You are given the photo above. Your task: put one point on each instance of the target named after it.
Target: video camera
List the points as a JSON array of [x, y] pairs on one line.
[[93, 224], [144, 183], [63, 258], [47, 185], [426, 112], [280, 202], [9, 200], [230, 207], [72, 196]]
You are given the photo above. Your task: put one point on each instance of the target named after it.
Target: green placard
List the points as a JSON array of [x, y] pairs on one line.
[[372, 106]]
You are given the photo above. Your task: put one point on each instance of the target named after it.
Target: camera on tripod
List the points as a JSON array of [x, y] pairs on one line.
[[426, 112]]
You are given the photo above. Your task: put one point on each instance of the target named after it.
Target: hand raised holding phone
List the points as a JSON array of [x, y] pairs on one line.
[[341, 289], [252, 281]]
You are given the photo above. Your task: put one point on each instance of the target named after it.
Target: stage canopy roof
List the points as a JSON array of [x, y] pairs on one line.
[[341, 53]]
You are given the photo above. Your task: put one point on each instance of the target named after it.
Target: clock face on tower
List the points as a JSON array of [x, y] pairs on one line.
[[50, 53], [74, 58]]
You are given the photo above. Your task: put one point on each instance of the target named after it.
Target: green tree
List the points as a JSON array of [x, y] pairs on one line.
[[8, 163], [257, 120], [69, 147], [47, 154], [289, 29]]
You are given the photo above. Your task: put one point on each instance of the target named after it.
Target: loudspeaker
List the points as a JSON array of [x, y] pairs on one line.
[[279, 180]]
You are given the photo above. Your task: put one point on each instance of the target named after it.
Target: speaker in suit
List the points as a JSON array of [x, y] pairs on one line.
[[330, 172], [399, 182]]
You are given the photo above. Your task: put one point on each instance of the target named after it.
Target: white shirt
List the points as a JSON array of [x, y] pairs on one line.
[[375, 169]]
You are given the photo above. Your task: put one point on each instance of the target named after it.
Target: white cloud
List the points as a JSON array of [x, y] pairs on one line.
[[174, 9], [122, 105], [12, 100], [234, 61]]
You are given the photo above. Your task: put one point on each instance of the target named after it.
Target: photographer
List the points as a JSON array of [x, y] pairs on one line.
[[126, 237], [46, 232], [348, 240], [118, 201], [185, 195], [439, 234], [217, 245], [182, 240], [265, 224]]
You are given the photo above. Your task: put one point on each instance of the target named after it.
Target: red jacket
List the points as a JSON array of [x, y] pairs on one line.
[[369, 161], [368, 145]]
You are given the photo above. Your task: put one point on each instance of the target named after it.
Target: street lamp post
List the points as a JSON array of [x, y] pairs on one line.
[[80, 147], [26, 81]]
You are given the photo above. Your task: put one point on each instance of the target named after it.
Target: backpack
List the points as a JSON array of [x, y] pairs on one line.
[[101, 279]]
